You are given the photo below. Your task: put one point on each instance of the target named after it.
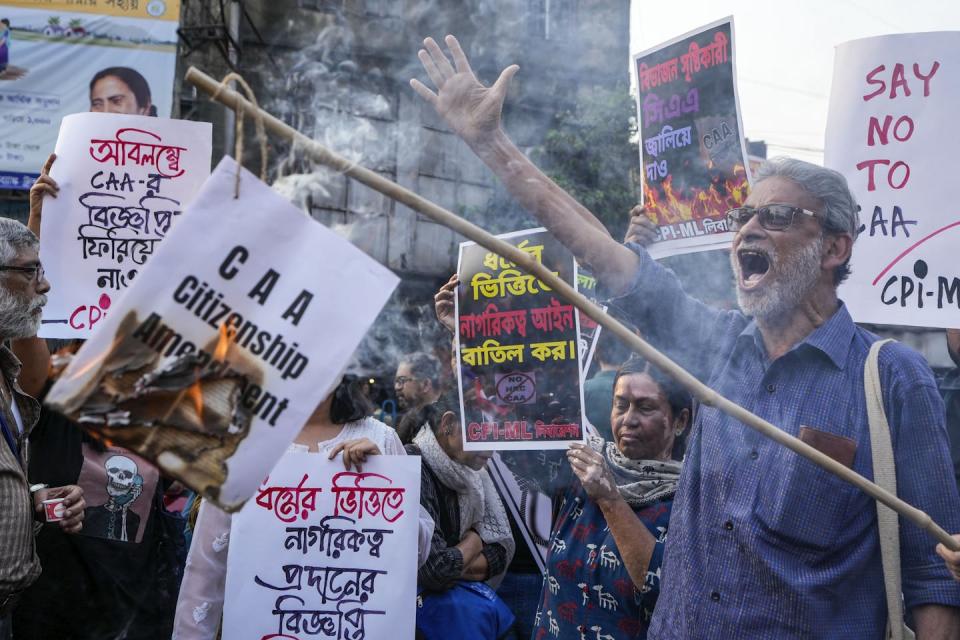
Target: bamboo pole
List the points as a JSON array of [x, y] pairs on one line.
[[702, 392]]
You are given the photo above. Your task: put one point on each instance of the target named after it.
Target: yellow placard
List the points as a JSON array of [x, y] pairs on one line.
[[144, 9]]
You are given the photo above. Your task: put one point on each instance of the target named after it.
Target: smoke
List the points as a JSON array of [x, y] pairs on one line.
[[343, 81]]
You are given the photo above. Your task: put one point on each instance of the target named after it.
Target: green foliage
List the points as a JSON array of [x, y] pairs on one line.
[[591, 152]]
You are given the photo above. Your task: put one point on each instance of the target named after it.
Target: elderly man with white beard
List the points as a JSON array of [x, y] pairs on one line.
[[763, 543], [22, 296]]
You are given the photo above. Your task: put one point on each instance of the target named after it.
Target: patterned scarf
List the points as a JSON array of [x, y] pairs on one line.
[[480, 506], [641, 482]]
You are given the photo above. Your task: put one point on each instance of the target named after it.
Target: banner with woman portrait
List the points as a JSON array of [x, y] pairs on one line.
[[59, 57]]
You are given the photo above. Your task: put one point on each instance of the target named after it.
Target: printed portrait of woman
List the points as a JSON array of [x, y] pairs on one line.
[[121, 90]]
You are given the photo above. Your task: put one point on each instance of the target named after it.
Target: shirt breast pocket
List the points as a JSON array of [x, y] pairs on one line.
[[800, 506]]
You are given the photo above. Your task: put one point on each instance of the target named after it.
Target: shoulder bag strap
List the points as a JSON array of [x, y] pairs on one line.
[[885, 475]]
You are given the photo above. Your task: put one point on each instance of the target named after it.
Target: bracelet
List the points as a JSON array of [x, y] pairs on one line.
[[37, 487]]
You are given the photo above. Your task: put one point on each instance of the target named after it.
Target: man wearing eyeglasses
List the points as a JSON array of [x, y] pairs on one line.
[[763, 544], [22, 296], [417, 382]]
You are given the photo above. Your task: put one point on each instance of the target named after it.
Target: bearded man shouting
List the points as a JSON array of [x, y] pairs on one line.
[[763, 543]]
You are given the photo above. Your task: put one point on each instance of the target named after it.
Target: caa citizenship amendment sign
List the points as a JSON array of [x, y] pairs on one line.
[[893, 132], [50, 54], [227, 341]]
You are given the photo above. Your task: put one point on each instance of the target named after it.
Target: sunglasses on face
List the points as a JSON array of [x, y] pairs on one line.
[[772, 217], [35, 272]]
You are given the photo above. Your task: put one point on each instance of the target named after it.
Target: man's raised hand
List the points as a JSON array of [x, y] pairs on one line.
[[469, 108]]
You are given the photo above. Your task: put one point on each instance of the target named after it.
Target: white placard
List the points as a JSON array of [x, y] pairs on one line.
[[324, 552], [228, 340], [893, 131], [124, 183]]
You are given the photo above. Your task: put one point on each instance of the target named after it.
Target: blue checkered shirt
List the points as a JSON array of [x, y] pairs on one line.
[[763, 543]]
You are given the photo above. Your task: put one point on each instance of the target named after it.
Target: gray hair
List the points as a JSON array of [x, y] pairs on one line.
[[14, 237], [424, 366], [840, 210]]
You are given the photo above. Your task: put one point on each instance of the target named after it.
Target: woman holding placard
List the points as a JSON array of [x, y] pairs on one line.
[[614, 501], [339, 425], [472, 542]]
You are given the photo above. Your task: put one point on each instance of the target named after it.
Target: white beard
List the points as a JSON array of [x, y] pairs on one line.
[[788, 284], [17, 315]]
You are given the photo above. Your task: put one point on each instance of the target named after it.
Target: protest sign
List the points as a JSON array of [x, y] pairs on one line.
[[324, 552], [227, 341], [892, 131], [692, 150], [52, 52], [518, 368], [124, 182]]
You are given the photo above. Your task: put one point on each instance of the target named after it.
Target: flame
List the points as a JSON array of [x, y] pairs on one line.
[[223, 343], [195, 391], [196, 394], [692, 203]]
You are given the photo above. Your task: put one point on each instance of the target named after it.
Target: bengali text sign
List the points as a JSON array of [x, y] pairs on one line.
[[326, 553], [892, 131], [124, 183], [519, 369], [692, 149]]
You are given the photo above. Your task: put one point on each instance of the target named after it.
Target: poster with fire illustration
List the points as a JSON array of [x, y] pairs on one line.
[[692, 150], [518, 366], [236, 329]]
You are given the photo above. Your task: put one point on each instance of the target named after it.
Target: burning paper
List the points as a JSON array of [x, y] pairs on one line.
[[692, 149], [227, 341], [124, 183], [326, 552]]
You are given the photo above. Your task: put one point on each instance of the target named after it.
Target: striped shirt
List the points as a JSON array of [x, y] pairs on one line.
[[763, 543], [19, 565]]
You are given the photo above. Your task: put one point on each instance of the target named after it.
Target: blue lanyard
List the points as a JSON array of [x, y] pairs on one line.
[[8, 436]]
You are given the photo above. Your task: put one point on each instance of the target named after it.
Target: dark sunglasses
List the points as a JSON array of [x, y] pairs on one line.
[[34, 271], [772, 217]]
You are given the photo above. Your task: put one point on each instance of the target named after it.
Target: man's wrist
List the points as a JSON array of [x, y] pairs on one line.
[[494, 149]]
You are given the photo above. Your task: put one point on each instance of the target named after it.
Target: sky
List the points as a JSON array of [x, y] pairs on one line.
[[784, 53]]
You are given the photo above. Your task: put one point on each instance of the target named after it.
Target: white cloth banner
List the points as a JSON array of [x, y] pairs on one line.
[[228, 340], [892, 131], [124, 182], [324, 552]]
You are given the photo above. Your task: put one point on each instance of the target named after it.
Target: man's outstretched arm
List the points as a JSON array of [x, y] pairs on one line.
[[473, 112]]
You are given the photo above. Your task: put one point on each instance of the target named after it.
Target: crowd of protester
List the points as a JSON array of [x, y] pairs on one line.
[[670, 519]]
